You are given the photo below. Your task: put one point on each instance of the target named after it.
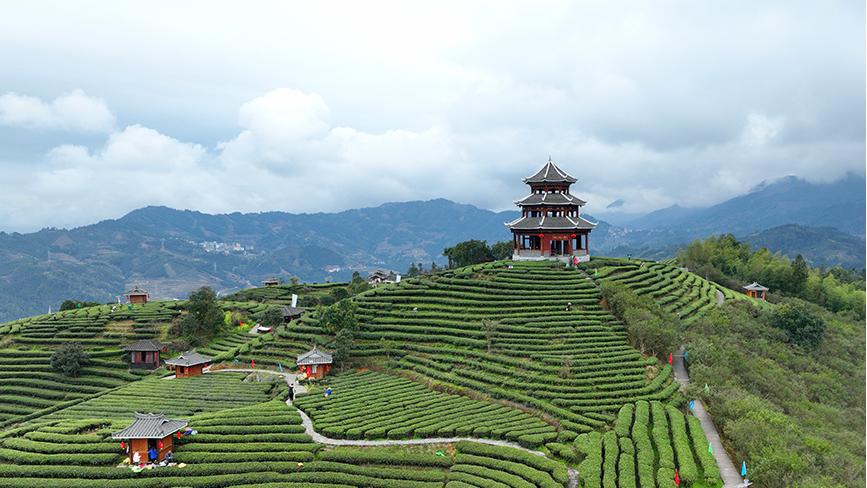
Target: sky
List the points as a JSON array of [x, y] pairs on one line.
[[106, 107]]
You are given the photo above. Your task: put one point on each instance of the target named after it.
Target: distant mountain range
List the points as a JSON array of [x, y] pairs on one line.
[[171, 252]]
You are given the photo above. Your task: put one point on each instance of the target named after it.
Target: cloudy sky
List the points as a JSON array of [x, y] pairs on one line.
[[312, 106]]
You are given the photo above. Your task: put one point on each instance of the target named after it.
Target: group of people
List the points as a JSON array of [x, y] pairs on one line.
[[152, 457]]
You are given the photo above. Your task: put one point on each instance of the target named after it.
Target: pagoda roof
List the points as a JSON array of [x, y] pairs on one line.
[[550, 173], [189, 358], [754, 286], [150, 426], [550, 199], [550, 223], [145, 345], [313, 356]]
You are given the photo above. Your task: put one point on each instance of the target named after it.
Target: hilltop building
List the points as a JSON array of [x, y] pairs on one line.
[[137, 295], [145, 353], [149, 436], [271, 282], [188, 364], [314, 363], [382, 276], [756, 290], [550, 225]]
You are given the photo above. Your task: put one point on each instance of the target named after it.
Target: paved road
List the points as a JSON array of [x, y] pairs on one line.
[[730, 474]]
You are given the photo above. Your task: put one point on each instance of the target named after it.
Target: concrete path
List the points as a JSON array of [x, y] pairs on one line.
[[720, 297], [729, 473]]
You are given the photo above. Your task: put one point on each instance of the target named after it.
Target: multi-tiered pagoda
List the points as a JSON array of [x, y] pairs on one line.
[[550, 225]]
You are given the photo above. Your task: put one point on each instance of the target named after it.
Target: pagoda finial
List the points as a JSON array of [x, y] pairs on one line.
[[549, 159]]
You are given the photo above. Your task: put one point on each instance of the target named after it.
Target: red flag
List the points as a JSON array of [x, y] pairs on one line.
[[122, 445], [179, 434], [253, 363], [160, 444], [670, 358], [676, 478]]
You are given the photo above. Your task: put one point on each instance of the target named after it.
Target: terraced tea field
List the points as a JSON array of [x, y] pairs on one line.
[[371, 405], [680, 292], [649, 441]]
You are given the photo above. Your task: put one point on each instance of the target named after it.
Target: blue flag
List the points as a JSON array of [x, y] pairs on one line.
[[744, 469], [686, 355], [692, 405]]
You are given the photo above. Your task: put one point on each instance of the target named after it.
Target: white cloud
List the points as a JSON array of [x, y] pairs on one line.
[[75, 111]]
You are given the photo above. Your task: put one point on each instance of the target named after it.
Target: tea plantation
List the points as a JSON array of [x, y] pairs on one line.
[[519, 354]]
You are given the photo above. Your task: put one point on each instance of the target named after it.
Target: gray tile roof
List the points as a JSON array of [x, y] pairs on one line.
[[313, 356], [754, 286], [550, 223], [150, 426], [136, 291], [291, 311], [189, 358], [145, 345], [564, 199], [550, 173]]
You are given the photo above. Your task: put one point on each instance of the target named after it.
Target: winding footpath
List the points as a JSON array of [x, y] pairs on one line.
[[291, 380], [729, 473]]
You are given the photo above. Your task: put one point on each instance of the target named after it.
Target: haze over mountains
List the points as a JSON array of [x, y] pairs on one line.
[[171, 252]]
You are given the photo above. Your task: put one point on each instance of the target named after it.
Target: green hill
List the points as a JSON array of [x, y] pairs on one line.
[[514, 352]]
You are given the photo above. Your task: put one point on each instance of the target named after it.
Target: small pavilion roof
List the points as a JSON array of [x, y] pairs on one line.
[[150, 426], [550, 223], [189, 358], [136, 291], [145, 345], [271, 280], [291, 311], [754, 286], [550, 173], [564, 199], [314, 356]]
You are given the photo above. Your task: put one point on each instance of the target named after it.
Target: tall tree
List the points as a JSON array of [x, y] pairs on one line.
[[800, 273], [69, 358], [468, 252], [204, 317]]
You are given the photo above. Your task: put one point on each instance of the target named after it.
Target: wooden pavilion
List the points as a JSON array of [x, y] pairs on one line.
[[291, 313], [314, 363], [550, 225], [756, 290], [150, 435], [188, 364], [137, 295], [145, 353], [271, 282]]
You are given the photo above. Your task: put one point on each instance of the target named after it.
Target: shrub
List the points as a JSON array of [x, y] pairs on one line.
[[69, 359]]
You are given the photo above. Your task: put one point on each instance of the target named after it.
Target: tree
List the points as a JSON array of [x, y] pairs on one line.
[[502, 250], [800, 273], [490, 327], [69, 358], [650, 328], [343, 345], [801, 325], [412, 271], [204, 317], [272, 317], [72, 305], [339, 316], [467, 253], [339, 293], [433, 267]]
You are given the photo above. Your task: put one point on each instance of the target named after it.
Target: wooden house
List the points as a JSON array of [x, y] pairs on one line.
[[137, 295], [756, 290], [314, 363], [271, 282], [149, 436], [145, 353], [291, 313], [188, 364], [381, 276]]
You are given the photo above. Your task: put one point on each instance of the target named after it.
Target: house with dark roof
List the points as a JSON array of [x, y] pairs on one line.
[[271, 282], [381, 276], [188, 364], [291, 313], [756, 290], [149, 437], [550, 225], [314, 363], [145, 353], [137, 295]]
